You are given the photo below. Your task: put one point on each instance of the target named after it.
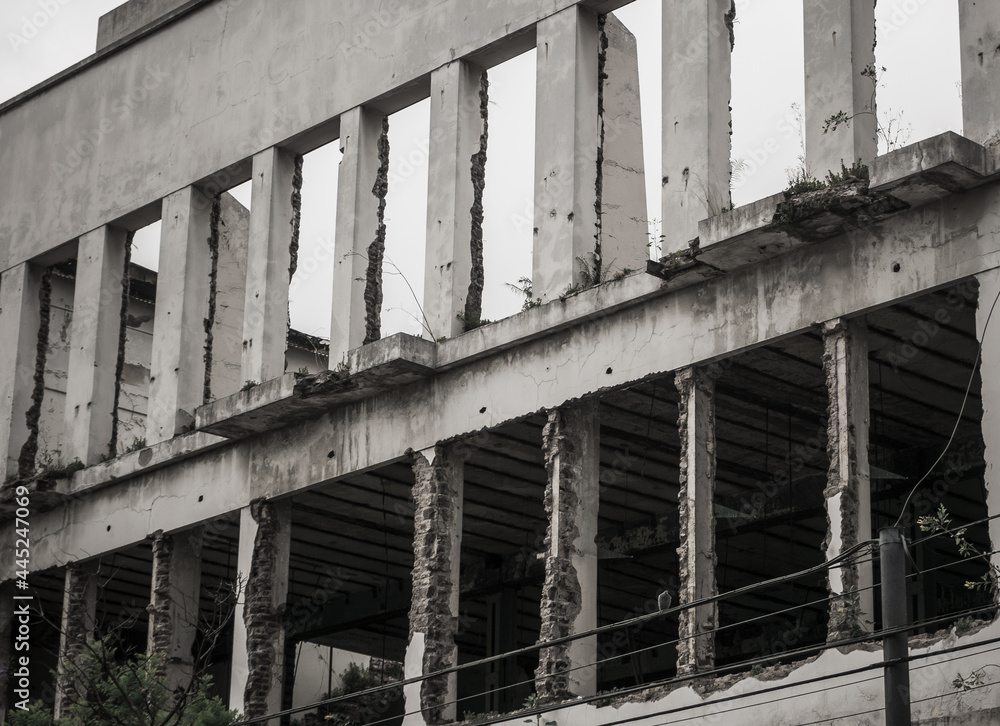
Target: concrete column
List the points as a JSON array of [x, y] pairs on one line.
[[174, 601], [839, 46], [457, 127], [979, 29], [230, 299], [848, 486], [90, 383], [265, 322], [258, 635], [78, 614], [437, 554], [357, 223], [696, 500], [697, 87], [569, 596], [566, 148], [177, 373], [989, 367], [624, 223], [19, 321]]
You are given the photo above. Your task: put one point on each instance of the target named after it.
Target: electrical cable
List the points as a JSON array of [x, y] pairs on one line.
[[846, 554], [837, 562], [717, 671], [680, 679], [784, 698], [663, 644], [961, 412], [956, 562]]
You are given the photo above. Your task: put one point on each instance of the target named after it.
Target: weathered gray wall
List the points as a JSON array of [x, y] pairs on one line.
[[233, 78], [129, 17]]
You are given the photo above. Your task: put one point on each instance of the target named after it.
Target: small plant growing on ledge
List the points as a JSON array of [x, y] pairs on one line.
[[856, 172], [523, 287], [247, 385], [342, 372], [531, 702], [471, 323], [138, 443]]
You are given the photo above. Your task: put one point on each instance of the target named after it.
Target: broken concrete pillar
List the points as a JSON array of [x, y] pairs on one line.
[[848, 487], [989, 290], [454, 143], [357, 223], [566, 150], [839, 47], [979, 29], [258, 636], [19, 321], [230, 298], [78, 614], [93, 353], [696, 501], [624, 224], [174, 601], [265, 327], [177, 373], [697, 121], [437, 553], [571, 440]]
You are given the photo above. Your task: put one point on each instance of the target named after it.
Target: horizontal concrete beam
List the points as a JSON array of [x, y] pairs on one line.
[[919, 250], [113, 126], [909, 177], [934, 168]]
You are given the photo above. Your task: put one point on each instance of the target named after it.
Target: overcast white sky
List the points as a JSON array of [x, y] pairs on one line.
[[917, 43]]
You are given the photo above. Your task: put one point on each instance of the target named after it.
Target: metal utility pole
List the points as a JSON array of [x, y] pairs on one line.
[[895, 646]]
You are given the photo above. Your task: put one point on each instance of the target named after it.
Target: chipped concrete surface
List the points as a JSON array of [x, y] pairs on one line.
[[437, 541], [572, 451], [848, 488], [846, 275], [696, 557]]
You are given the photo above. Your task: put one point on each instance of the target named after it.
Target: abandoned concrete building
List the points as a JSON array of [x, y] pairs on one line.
[[649, 498]]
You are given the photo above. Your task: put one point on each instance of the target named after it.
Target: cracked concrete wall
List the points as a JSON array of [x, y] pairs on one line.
[[437, 550], [624, 225], [569, 593], [848, 489], [696, 556]]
